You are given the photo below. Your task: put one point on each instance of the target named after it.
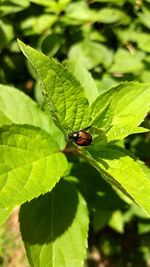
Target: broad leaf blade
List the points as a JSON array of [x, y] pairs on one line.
[[112, 15], [101, 113], [18, 108], [120, 132], [99, 195], [91, 54], [4, 119], [54, 228], [63, 92], [21, 109], [85, 78], [125, 173], [121, 109], [125, 62], [131, 103], [13, 6], [31, 164]]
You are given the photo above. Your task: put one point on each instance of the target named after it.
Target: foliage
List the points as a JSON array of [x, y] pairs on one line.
[[102, 82]]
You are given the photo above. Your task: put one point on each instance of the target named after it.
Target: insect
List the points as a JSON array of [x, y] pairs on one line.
[[81, 137]]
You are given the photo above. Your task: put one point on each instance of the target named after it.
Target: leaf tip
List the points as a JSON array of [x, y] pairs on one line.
[[20, 43]]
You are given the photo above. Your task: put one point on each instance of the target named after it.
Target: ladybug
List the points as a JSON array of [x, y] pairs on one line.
[[81, 137]]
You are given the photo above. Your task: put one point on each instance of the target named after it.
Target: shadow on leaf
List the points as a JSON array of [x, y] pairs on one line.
[[46, 218]]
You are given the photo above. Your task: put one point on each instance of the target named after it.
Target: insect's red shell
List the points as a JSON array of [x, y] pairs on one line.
[[81, 138], [84, 139]]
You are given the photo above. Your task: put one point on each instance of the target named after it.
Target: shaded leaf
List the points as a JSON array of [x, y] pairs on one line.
[[54, 228], [6, 33], [99, 195], [12, 6], [123, 172]]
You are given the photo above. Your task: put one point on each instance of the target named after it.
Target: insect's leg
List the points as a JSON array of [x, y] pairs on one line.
[[87, 128]]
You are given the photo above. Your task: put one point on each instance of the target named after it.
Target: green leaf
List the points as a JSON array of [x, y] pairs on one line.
[[31, 164], [45, 3], [145, 17], [116, 222], [120, 132], [85, 78], [6, 33], [131, 35], [144, 227], [54, 228], [130, 105], [125, 62], [126, 174], [4, 119], [21, 109], [63, 92], [91, 54], [121, 109], [77, 13], [116, 2], [12, 6], [37, 24], [100, 219], [112, 15], [107, 81], [99, 195], [53, 5], [51, 43], [101, 112], [145, 77], [18, 108]]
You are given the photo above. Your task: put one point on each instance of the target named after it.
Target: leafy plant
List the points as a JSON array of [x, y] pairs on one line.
[[99, 33], [54, 220], [58, 184]]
